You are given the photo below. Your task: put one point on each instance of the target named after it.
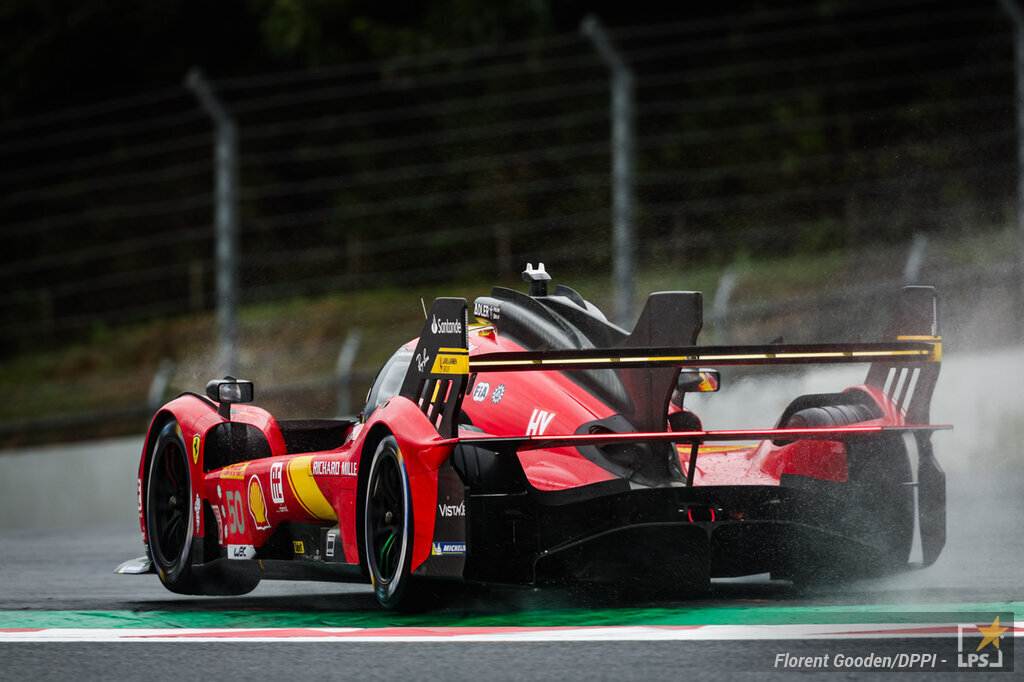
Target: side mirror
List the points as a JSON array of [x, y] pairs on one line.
[[228, 391], [693, 380]]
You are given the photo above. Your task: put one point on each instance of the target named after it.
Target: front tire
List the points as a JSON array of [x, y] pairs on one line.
[[388, 527], [171, 520], [170, 524]]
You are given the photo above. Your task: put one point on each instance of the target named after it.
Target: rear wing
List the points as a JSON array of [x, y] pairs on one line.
[[904, 351], [905, 365]]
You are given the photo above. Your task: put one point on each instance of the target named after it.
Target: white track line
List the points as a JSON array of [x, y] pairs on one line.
[[492, 634]]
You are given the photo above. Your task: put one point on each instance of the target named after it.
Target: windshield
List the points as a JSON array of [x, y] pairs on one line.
[[389, 381]]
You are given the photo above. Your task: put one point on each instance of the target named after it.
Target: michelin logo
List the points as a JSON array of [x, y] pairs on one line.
[[448, 548]]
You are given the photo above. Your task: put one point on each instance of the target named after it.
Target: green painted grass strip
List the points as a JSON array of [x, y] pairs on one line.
[[738, 615]]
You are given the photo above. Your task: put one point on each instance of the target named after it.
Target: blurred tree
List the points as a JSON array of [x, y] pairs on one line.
[[56, 53]]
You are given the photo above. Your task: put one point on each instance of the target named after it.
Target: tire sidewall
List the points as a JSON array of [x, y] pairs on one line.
[[178, 570], [389, 592]]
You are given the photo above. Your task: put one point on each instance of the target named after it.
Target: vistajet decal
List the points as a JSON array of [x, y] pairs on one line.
[[449, 510]]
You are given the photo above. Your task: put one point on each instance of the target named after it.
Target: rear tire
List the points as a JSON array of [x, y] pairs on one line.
[[830, 416], [388, 527], [879, 505]]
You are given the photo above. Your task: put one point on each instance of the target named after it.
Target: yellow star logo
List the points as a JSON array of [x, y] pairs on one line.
[[992, 634]]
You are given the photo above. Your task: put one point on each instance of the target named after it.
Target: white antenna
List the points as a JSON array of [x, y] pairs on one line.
[[423, 303]]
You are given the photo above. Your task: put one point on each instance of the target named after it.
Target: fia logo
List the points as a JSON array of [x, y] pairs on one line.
[[481, 391], [539, 421]]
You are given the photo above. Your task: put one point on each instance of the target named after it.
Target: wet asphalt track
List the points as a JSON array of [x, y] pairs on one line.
[[71, 572]]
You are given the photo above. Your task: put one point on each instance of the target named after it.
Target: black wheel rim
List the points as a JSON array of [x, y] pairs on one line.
[[386, 513], [169, 509]]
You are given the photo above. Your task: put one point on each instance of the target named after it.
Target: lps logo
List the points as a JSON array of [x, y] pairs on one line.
[[445, 326], [979, 657], [276, 486], [539, 421]]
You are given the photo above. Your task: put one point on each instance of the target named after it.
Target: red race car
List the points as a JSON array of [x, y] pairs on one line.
[[543, 444]]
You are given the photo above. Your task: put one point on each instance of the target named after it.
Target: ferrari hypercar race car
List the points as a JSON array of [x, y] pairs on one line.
[[543, 444]]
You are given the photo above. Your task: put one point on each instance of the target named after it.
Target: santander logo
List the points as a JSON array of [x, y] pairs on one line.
[[445, 326]]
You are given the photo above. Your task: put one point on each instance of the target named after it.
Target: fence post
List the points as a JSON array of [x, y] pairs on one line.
[[720, 304], [343, 372], [158, 386], [1016, 14], [623, 246], [915, 257], [225, 218]]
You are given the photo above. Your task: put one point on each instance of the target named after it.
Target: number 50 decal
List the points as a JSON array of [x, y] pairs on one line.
[[235, 515]]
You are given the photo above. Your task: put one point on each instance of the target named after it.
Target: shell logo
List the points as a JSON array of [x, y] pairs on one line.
[[258, 504]]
